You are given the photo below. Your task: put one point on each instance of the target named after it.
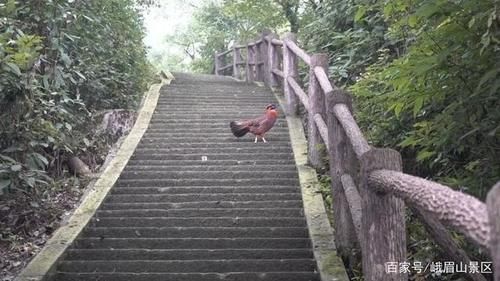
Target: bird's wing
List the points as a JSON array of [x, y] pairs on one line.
[[255, 123]]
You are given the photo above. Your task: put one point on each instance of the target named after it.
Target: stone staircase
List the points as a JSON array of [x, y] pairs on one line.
[[195, 203]]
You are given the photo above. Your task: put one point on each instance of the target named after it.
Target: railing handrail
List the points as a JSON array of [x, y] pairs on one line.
[[379, 217]]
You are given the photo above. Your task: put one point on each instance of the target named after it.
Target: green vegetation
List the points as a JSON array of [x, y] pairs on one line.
[[61, 61]]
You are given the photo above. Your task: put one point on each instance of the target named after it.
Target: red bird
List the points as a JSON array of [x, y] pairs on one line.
[[258, 126]]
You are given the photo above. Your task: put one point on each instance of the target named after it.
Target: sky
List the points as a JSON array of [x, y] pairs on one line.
[[173, 16]]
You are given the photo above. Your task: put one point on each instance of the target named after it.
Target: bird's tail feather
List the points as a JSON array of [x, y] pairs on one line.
[[238, 129]]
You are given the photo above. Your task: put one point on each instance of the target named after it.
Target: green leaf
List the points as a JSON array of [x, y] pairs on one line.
[[7, 159], [360, 13], [417, 106], [80, 74], [412, 21], [41, 158], [14, 68], [398, 107], [30, 182], [66, 59], [4, 183], [424, 155], [16, 168]]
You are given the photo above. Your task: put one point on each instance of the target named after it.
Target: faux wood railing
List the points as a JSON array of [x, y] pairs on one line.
[[369, 188]]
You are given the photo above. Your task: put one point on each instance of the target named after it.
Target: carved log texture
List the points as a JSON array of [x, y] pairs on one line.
[[297, 90], [356, 138], [320, 73], [292, 46], [443, 238], [316, 106], [322, 128], [493, 207], [236, 60], [341, 160], [383, 222], [250, 66], [217, 63], [463, 212], [274, 63], [354, 201], [289, 70]]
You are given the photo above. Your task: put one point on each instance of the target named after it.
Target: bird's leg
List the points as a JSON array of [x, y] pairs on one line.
[[263, 139], [255, 139]]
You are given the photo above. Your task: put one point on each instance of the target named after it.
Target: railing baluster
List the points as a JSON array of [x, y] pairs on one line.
[[342, 162], [217, 64], [273, 61], [316, 153], [236, 60], [264, 55], [289, 69], [493, 207], [249, 65], [383, 229]]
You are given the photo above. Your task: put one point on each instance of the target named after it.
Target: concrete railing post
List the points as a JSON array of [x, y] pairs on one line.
[[316, 153], [383, 232], [289, 70]]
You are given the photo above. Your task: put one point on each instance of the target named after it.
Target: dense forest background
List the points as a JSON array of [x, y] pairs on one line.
[[61, 62], [425, 75]]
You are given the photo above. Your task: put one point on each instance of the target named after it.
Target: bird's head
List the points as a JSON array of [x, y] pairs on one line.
[[272, 108]]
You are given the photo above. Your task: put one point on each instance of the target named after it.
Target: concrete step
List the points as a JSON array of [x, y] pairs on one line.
[[179, 198], [226, 276], [206, 174], [255, 149], [205, 182], [210, 156], [183, 164], [196, 254], [205, 190], [224, 265], [196, 232], [208, 168], [195, 203], [219, 139], [198, 222], [196, 121], [216, 130], [187, 213], [245, 142], [199, 123], [217, 204], [192, 243]]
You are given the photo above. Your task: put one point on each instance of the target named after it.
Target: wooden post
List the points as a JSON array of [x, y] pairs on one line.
[[273, 61], [257, 59], [342, 162], [316, 106], [493, 205], [289, 70], [264, 58], [383, 232], [236, 61], [216, 64], [250, 66]]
